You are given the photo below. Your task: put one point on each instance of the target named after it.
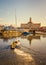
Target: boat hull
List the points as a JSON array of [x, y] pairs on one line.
[[14, 44]]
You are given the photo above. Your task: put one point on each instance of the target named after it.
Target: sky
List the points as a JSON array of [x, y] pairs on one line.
[[21, 10]]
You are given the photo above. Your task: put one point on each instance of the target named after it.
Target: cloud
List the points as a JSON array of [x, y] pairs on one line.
[[1, 19]]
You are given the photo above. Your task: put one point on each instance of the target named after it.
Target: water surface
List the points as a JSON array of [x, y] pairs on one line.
[[32, 48]]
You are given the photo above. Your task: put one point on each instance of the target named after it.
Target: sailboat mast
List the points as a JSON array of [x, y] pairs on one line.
[[15, 19], [16, 24]]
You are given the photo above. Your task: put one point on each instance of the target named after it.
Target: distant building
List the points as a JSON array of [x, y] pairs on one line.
[[43, 28], [9, 28], [30, 25], [1, 27]]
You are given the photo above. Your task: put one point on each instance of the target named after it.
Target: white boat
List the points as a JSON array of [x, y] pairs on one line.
[[15, 44]]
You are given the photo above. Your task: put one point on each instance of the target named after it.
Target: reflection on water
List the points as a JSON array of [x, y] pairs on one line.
[[30, 38], [5, 40], [44, 36], [32, 48], [26, 57]]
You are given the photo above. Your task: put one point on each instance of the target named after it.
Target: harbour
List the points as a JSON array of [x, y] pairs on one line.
[[22, 32], [30, 52]]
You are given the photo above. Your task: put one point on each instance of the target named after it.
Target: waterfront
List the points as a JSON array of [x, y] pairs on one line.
[[32, 51]]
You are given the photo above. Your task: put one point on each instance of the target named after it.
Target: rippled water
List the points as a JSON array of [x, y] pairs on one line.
[[31, 48]]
